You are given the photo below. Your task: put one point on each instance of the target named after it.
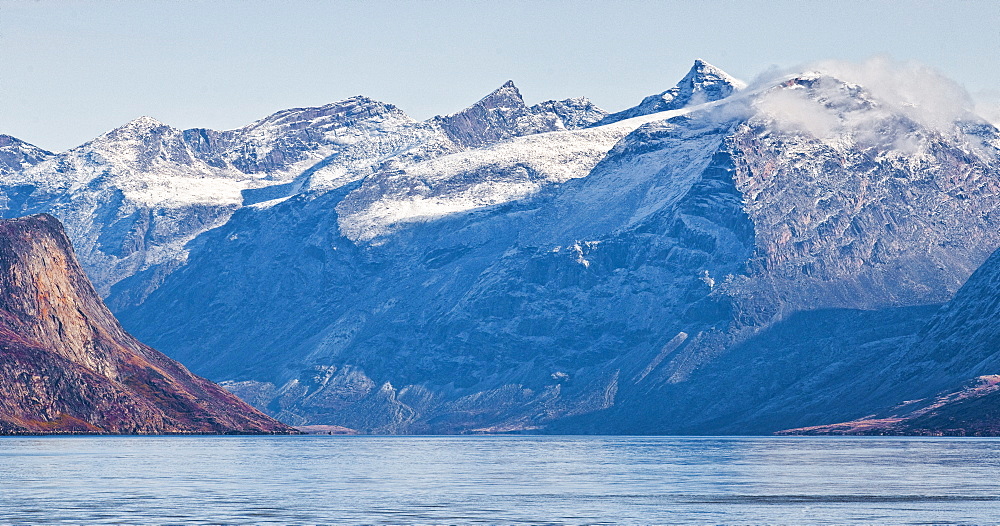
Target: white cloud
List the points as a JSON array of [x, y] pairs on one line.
[[988, 106], [913, 89], [793, 110]]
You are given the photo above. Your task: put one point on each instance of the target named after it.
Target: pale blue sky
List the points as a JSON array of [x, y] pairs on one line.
[[71, 70]]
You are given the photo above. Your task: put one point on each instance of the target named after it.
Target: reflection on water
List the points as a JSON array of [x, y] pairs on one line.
[[498, 480]]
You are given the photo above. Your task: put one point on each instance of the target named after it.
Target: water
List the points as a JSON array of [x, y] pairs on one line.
[[498, 480]]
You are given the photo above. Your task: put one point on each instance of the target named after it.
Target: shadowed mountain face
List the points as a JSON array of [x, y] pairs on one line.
[[66, 365], [947, 381]]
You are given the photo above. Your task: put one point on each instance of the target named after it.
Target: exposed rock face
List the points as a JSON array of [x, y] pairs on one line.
[[703, 83], [68, 366]]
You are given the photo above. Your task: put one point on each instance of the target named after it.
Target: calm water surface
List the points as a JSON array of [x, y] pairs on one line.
[[498, 480]]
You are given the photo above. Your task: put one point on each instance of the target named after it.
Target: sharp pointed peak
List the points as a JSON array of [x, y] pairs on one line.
[[508, 89], [702, 70], [506, 96]]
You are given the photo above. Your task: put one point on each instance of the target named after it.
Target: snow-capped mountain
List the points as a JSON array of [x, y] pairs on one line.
[[132, 198], [601, 278], [703, 83]]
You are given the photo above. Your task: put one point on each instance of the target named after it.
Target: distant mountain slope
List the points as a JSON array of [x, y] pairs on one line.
[[133, 197], [68, 366]]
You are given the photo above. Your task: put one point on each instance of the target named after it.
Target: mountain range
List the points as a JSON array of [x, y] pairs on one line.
[[720, 258]]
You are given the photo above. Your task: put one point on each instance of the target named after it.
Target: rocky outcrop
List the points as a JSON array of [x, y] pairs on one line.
[[68, 366]]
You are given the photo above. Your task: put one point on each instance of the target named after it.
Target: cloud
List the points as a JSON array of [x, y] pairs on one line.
[[794, 111], [987, 105], [910, 88], [862, 102]]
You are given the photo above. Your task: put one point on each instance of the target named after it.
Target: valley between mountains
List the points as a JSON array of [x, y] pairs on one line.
[[810, 253]]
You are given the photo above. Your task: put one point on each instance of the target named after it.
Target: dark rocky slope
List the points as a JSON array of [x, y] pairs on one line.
[[68, 366]]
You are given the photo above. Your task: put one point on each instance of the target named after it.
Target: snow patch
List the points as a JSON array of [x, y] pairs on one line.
[[508, 171]]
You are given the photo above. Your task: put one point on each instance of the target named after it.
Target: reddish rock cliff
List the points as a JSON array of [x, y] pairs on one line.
[[66, 365]]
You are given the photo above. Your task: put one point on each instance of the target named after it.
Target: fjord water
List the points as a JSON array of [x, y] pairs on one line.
[[498, 480]]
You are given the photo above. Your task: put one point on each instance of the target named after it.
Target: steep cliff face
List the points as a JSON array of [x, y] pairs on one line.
[[68, 366]]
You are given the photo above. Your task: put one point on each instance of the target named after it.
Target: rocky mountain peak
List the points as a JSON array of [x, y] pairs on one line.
[[506, 96], [140, 125], [702, 83], [704, 77], [336, 113], [144, 130], [503, 114]]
